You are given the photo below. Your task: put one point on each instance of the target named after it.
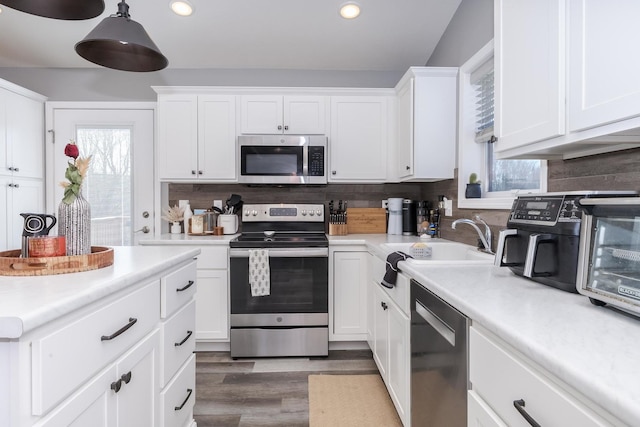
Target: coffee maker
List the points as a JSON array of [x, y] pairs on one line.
[[409, 227]]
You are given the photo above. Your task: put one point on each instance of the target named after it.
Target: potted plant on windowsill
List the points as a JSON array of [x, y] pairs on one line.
[[474, 189]]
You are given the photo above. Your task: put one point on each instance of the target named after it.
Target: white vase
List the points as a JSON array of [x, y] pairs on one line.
[[175, 228]]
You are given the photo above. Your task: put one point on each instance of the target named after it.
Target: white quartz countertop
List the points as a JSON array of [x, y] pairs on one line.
[[27, 302], [595, 350], [185, 239]]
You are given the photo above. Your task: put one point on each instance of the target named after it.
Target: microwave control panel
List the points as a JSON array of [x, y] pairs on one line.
[[546, 210], [316, 161]]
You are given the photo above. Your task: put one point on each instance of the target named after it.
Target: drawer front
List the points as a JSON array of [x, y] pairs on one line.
[[68, 357], [500, 377], [213, 257], [400, 292], [179, 397], [178, 340], [176, 289]]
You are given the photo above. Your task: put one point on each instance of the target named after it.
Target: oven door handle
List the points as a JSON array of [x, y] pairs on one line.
[[285, 253]]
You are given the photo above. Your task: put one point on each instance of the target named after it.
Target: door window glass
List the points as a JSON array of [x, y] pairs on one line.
[[108, 183]]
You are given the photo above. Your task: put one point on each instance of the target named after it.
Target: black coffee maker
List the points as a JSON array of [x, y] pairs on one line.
[[409, 227]]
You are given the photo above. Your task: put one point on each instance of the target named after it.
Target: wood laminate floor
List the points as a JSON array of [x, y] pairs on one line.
[[267, 391]]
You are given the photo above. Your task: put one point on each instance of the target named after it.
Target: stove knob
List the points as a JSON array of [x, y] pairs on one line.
[[311, 213], [254, 212], [318, 212], [303, 212], [246, 213]]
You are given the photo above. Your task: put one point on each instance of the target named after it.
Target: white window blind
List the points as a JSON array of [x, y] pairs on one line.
[[481, 80]]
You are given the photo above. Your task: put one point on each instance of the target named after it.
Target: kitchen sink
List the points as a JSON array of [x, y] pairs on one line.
[[444, 253]]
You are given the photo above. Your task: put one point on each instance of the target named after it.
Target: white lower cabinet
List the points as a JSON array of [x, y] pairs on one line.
[[110, 363], [349, 276], [124, 394], [391, 337], [212, 300], [502, 379]]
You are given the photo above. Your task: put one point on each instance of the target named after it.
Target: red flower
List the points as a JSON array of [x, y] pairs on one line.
[[71, 150]]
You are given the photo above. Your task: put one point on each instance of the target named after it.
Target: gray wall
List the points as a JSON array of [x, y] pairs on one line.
[[470, 28], [102, 84]]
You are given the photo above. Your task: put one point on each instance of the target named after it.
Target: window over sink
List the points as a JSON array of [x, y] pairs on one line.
[[501, 180]]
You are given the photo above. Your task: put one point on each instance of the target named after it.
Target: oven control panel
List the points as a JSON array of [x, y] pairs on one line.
[[283, 212]]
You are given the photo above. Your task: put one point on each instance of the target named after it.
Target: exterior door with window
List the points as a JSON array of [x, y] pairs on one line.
[[120, 183]]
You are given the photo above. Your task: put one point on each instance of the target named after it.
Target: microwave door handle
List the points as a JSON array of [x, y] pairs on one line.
[[305, 160], [532, 252], [502, 240]]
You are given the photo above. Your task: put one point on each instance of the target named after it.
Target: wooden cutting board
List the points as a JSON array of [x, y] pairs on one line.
[[367, 220]]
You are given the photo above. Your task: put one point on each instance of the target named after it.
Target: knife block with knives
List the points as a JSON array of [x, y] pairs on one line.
[[338, 219]]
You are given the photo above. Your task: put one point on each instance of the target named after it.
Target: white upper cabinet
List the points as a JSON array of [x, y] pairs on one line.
[[289, 114], [529, 71], [566, 81], [196, 137], [21, 132], [426, 124], [359, 138], [604, 83]]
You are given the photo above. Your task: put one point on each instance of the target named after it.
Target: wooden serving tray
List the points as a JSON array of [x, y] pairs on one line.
[[12, 265]]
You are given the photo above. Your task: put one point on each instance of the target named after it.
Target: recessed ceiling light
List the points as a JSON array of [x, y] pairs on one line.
[[350, 10], [181, 7]]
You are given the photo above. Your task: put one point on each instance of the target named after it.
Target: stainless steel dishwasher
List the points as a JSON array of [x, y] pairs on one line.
[[439, 379]]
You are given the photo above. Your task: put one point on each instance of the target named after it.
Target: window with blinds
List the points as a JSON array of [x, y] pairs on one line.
[[482, 82], [502, 175]]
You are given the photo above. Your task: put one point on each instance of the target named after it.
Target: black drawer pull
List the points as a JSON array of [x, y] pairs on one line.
[[126, 377], [116, 385], [132, 321], [187, 286], [519, 404], [178, 344], [177, 408]]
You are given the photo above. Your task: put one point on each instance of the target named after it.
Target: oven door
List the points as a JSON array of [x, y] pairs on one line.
[[298, 284]]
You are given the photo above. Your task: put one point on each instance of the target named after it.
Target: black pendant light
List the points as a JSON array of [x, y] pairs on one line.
[[72, 10], [121, 43]]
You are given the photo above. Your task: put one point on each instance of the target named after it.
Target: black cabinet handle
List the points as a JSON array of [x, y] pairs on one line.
[[384, 305], [126, 377], [519, 404], [116, 385], [177, 408], [178, 344], [187, 286], [132, 321]]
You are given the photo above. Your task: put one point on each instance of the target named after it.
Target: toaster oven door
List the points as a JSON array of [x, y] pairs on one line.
[[610, 255]]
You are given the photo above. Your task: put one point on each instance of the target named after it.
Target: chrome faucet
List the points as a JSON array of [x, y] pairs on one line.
[[485, 237]]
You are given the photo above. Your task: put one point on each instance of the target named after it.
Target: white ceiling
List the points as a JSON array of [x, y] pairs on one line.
[[389, 35]]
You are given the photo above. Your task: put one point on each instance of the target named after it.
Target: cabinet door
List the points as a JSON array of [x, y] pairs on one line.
[[5, 209], [137, 399], [26, 195], [217, 137], [212, 306], [350, 293], [261, 114], [358, 143], [603, 72], [177, 137], [399, 360], [380, 330], [529, 71], [93, 405], [304, 115], [25, 135], [405, 130], [480, 414], [4, 149]]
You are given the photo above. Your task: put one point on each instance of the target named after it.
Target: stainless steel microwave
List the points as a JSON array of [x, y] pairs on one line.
[[282, 159]]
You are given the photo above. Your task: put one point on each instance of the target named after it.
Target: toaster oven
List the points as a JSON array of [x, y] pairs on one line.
[[609, 254]]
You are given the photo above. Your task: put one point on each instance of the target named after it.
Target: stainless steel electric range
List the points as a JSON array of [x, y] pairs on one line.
[[279, 268]]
